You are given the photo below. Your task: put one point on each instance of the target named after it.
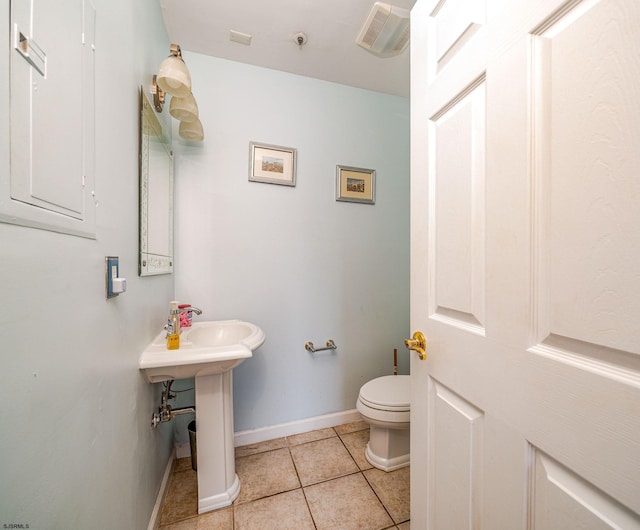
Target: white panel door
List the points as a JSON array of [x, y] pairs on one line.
[[525, 264]]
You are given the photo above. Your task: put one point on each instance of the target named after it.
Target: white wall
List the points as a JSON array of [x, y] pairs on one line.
[[76, 448], [293, 260]]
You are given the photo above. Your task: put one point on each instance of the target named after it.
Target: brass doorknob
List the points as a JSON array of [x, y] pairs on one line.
[[418, 343]]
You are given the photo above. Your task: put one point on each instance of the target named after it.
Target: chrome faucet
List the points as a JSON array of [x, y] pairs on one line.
[[177, 313]]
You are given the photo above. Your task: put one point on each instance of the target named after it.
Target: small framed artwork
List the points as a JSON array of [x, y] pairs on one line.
[[354, 184], [272, 164]]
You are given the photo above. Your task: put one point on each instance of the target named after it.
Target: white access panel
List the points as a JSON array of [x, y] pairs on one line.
[[4, 96], [50, 184]]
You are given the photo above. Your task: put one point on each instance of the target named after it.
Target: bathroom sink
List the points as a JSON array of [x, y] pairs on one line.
[[206, 348]]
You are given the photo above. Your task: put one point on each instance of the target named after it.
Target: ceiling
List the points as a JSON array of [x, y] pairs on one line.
[[331, 26]]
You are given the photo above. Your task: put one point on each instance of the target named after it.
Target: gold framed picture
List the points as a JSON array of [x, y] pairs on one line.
[[354, 184]]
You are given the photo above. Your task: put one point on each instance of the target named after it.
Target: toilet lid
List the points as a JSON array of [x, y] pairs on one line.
[[391, 392]]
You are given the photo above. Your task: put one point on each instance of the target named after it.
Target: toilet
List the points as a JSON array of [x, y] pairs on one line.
[[384, 405]]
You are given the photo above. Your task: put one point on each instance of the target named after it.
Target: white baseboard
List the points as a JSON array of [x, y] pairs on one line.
[[182, 450], [295, 427], [154, 521]]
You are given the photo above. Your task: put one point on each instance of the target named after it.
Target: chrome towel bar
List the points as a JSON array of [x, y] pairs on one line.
[[330, 346]]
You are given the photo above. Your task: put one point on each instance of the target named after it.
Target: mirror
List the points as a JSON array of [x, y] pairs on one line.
[[156, 194]]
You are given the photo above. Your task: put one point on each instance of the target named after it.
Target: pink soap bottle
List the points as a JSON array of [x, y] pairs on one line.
[[186, 315]]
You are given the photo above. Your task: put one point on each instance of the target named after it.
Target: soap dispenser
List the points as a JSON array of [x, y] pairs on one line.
[[173, 328]]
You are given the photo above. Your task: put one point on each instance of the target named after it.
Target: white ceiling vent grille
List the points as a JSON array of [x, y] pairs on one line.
[[386, 30]]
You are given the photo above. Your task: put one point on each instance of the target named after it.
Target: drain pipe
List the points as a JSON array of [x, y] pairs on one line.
[[165, 411]]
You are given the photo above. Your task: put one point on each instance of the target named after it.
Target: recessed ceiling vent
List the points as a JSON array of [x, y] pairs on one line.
[[386, 31]]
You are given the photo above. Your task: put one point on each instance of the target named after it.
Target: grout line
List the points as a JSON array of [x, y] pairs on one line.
[[379, 499], [348, 452], [304, 494], [295, 468]]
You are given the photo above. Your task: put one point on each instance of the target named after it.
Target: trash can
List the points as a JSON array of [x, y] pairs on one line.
[[194, 447]]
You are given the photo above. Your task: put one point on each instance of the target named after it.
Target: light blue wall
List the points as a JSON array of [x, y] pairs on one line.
[[76, 448], [293, 260]]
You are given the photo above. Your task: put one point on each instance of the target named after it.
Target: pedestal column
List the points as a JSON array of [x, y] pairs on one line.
[[218, 484]]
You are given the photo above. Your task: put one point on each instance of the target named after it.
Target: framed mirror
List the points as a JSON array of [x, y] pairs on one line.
[[156, 194]]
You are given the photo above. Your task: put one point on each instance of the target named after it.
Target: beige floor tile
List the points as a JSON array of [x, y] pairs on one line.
[[269, 498], [182, 497], [182, 464], [286, 511], [310, 436], [217, 520], [265, 474], [347, 503], [322, 460], [356, 443], [392, 489], [262, 447], [351, 427]]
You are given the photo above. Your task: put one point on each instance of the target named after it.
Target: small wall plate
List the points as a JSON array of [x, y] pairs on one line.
[[111, 271]]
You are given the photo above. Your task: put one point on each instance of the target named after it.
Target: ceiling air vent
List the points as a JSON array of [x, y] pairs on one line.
[[386, 31]]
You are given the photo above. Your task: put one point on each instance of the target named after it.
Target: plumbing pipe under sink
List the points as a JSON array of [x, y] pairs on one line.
[[165, 411]]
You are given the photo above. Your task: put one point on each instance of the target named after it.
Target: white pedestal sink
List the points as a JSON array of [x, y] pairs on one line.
[[208, 351]]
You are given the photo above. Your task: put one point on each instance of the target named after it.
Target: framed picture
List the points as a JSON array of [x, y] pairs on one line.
[[354, 184], [272, 164]]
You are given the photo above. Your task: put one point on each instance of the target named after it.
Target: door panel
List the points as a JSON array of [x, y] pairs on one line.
[[587, 178], [524, 268], [561, 499], [457, 432], [457, 208], [454, 22]]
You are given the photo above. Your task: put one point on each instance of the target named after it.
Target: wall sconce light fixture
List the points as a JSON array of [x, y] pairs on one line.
[[158, 94], [191, 130], [173, 75], [173, 78], [184, 109]]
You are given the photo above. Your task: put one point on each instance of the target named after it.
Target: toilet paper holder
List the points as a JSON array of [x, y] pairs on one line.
[[330, 345]]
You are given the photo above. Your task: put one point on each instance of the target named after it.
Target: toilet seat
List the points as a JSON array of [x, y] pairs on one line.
[[389, 393]]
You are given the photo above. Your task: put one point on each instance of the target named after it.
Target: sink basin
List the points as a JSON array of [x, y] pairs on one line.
[[206, 348]]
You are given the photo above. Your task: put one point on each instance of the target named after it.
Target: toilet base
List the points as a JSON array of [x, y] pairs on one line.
[[388, 449]]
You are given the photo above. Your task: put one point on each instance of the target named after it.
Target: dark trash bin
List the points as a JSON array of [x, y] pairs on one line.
[[194, 447]]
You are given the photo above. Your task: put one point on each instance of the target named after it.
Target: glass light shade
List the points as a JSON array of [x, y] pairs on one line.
[[184, 109], [174, 77], [191, 130]]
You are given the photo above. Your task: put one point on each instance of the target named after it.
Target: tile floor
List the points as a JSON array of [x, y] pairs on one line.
[[319, 480]]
